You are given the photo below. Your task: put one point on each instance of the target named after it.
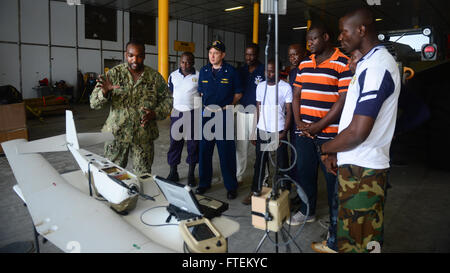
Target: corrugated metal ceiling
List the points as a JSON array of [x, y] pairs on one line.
[[396, 14]]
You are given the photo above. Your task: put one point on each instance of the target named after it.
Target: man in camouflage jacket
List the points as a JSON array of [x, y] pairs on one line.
[[138, 96]]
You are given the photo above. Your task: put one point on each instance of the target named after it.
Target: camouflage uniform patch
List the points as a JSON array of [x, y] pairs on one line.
[[124, 120], [141, 155], [361, 207]]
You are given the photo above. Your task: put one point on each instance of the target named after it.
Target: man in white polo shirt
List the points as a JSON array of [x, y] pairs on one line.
[[183, 84], [366, 129], [269, 122]]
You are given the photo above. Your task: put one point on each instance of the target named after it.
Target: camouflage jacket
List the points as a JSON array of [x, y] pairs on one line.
[[150, 91]]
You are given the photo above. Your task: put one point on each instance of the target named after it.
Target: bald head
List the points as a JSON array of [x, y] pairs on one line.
[[357, 30], [363, 17]]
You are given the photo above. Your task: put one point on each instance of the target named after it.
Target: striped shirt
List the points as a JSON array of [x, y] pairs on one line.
[[321, 85]]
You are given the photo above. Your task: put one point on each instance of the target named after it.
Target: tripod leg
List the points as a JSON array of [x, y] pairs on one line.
[[261, 242], [285, 239], [36, 239], [276, 241], [282, 228]]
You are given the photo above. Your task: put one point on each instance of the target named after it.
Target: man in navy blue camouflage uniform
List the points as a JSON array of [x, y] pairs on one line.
[[219, 86]]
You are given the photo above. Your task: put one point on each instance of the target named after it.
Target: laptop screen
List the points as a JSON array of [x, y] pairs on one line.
[[179, 195]]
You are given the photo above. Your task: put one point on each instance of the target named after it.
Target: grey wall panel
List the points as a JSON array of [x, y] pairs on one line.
[[63, 24], [34, 21], [217, 34], [9, 21], [229, 46], [240, 47], [172, 36], [199, 63], [64, 65], [82, 41], [126, 28], [44, 19], [152, 61], [173, 63], [89, 61], [9, 66], [117, 45], [206, 41], [198, 40], [184, 31], [35, 67]]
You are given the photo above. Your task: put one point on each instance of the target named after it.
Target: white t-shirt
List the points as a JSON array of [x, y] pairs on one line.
[[268, 110], [373, 92], [184, 90]]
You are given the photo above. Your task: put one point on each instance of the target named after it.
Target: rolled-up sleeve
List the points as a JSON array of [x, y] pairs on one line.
[[164, 98]]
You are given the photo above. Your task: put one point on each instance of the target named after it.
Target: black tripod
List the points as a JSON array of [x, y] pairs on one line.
[[266, 234]]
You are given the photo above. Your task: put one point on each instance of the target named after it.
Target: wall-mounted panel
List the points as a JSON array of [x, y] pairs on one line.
[[142, 27], [82, 41], [100, 23], [9, 21], [63, 24], [64, 65], [9, 66], [34, 21], [89, 61], [35, 67], [117, 45]]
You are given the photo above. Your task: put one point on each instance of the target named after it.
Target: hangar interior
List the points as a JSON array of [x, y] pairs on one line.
[[48, 39]]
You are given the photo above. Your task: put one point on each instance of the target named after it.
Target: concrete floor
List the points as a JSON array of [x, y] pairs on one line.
[[416, 212]]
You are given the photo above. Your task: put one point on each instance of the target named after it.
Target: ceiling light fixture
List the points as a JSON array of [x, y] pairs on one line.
[[296, 28], [73, 2], [379, 19], [235, 8]]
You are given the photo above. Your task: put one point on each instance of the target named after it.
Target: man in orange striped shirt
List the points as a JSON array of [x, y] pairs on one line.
[[318, 98]]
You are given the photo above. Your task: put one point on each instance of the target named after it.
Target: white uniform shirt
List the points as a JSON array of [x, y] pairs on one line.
[[268, 109], [374, 92], [184, 90]]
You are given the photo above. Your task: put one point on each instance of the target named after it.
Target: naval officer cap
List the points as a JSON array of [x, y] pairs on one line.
[[219, 45]]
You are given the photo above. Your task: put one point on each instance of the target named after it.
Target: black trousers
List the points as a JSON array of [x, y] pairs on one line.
[[282, 159]]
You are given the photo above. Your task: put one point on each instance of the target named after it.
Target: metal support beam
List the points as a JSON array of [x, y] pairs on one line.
[[163, 38], [255, 21]]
